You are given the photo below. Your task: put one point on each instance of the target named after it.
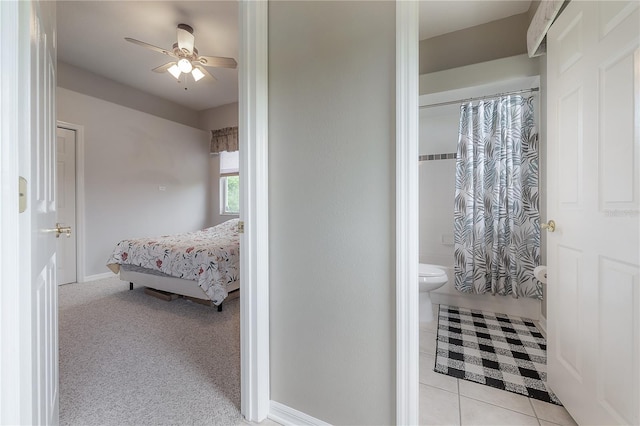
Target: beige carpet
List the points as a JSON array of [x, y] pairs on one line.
[[127, 358]]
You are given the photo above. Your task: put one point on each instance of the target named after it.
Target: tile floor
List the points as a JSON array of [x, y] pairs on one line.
[[445, 400]]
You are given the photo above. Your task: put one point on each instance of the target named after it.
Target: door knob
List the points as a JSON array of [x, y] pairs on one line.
[[549, 226], [60, 229]]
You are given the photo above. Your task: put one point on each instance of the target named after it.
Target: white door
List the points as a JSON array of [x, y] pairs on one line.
[[594, 196], [36, 154], [66, 203]]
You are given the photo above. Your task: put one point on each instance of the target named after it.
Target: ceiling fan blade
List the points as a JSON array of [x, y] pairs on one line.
[[206, 73], [217, 62], [163, 68], [186, 39], [150, 46]]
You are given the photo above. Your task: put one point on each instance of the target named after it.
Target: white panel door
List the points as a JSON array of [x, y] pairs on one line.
[[66, 203], [37, 156], [593, 182]]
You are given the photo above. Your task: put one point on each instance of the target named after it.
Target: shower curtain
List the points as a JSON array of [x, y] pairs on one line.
[[496, 220]]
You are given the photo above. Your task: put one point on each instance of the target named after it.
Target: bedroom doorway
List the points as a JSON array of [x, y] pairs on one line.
[[19, 334], [66, 247], [70, 201]]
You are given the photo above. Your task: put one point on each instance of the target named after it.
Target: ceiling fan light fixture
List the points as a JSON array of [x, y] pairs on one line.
[[175, 71], [185, 65], [197, 74], [186, 57]]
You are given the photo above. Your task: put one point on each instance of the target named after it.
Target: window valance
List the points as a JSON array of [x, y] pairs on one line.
[[225, 139]]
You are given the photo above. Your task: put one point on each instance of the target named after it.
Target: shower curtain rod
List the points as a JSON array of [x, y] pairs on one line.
[[497, 95]]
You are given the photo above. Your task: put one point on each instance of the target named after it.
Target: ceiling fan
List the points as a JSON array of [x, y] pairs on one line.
[[187, 59]]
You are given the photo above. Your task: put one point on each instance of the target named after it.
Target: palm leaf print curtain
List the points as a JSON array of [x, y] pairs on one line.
[[497, 221]]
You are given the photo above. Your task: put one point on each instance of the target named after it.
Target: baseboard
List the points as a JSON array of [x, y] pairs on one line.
[[97, 277], [286, 416], [542, 322], [523, 307]]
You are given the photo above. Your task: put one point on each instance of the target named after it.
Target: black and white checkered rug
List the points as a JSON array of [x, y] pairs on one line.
[[497, 350]]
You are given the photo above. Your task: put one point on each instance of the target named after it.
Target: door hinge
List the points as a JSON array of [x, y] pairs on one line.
[[240, 227]]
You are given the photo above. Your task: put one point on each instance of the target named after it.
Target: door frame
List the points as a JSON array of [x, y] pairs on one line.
[[407, 215], [80, 200], [14, 365], [15, 374], [254, 209]]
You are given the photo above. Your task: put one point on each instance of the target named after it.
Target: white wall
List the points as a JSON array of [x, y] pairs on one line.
[[218, 117], [331, 209], [83, 81], [481, 43], [438, 135], [213, 119], [128, 156], [479, 74]]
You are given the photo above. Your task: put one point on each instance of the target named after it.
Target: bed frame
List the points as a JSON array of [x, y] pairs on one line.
[[163, 282]]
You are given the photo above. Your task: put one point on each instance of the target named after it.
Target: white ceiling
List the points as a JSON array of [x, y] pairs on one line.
[[91, 36]]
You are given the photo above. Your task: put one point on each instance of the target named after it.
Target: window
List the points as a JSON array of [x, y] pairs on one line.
[[230, 194], [229, 183]]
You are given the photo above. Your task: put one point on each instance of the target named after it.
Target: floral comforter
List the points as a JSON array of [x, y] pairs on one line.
[[211, 257]]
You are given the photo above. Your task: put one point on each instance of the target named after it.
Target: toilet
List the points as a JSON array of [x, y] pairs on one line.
[[431, 277]]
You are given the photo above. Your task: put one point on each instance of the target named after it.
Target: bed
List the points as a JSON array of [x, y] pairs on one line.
[[203, 265]]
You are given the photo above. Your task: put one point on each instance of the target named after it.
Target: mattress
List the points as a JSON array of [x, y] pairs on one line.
[[211, 257]]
